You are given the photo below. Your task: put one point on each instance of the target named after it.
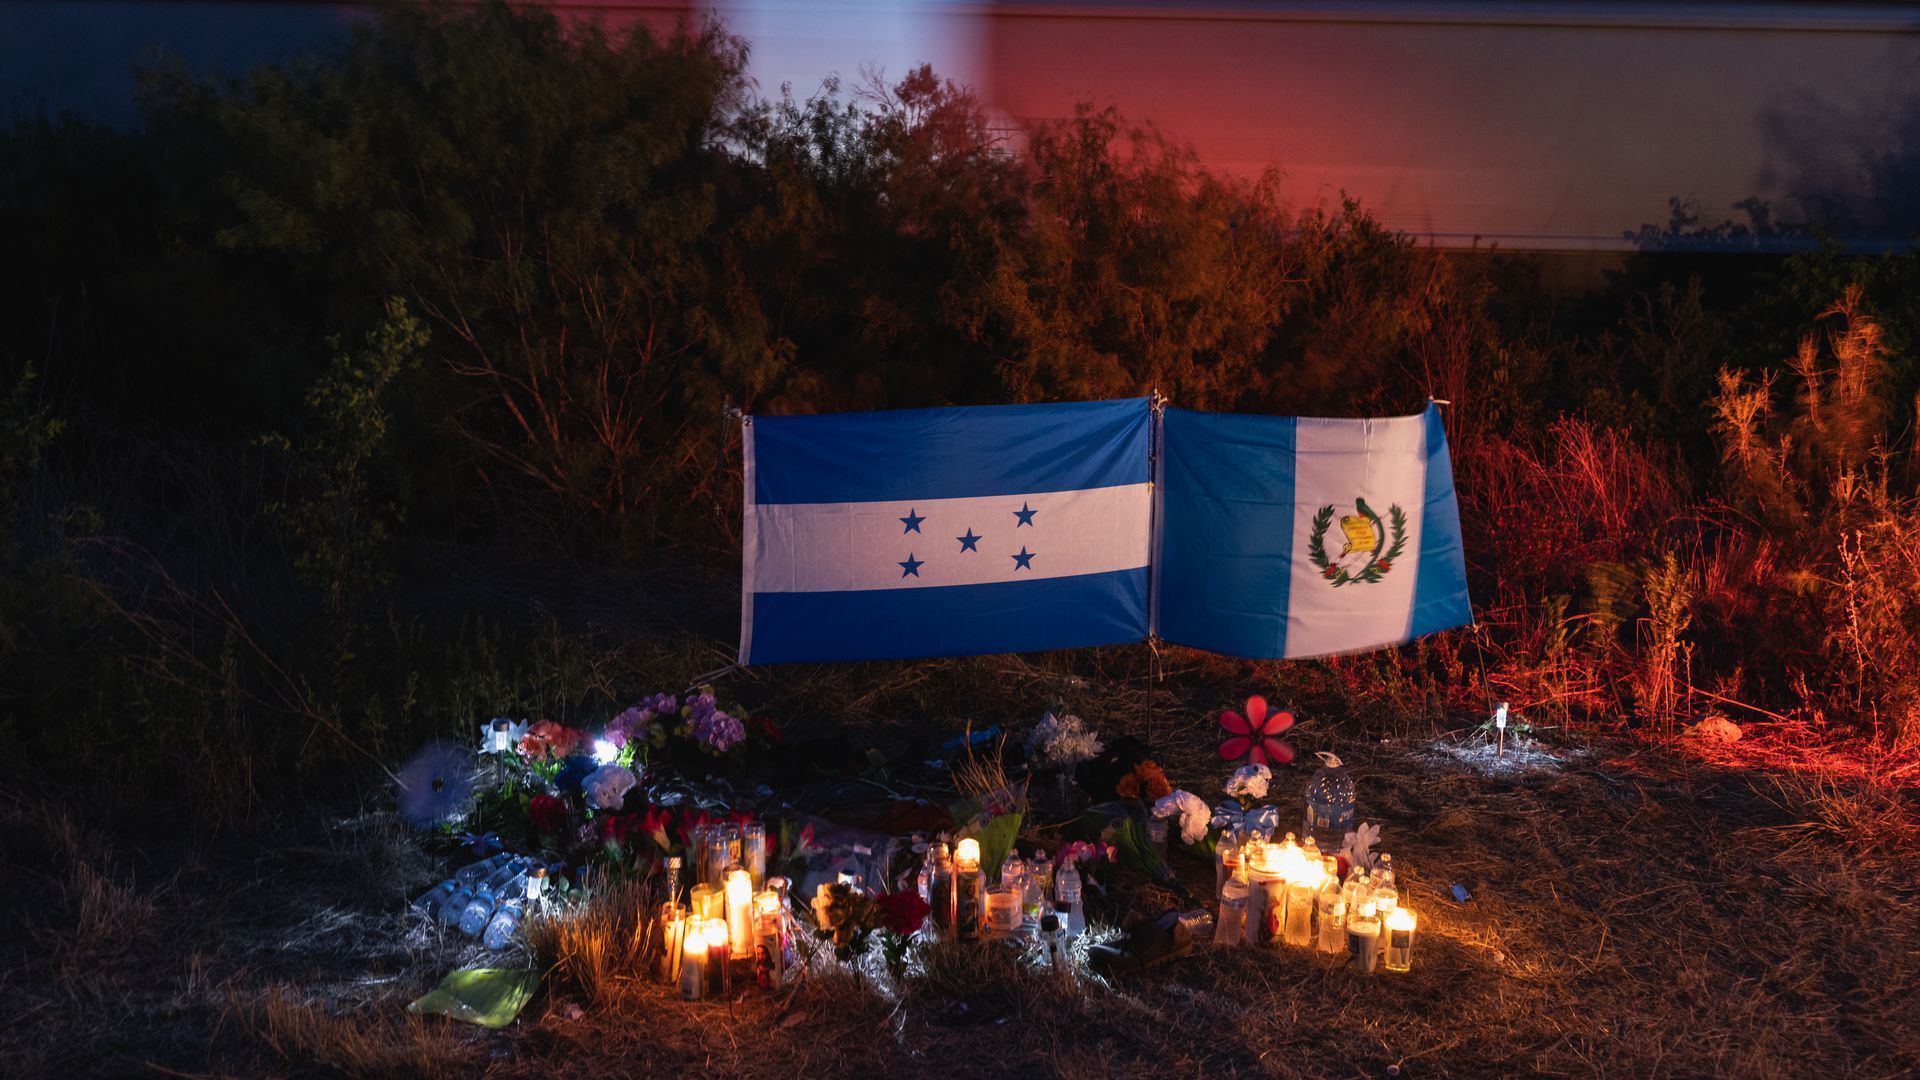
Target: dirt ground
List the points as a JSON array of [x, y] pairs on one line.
[[1633, 912]]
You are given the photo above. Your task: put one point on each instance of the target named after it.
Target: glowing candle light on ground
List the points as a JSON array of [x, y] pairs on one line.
[[719, 949], [705, 900], [693, 966], [968, 885], [740, 911], [1399, 935]]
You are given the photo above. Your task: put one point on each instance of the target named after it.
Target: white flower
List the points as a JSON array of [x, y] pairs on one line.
[[1358, 846], [607, 786], [1249, 782], [1193, 814], [1061, 741]]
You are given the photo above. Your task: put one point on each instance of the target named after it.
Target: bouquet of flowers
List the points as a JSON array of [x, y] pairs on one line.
[[1062, 742]]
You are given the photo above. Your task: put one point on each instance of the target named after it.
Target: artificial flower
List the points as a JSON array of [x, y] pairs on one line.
[[607, 786], [1079, 851], [1256, 735], [548, 814], [1146, 782], [654, 821], [717, 730], [1062, 741], [1249, 783], [547, 740], [1357, 847], [903, 911], [1244, 821], [1193, 814], [434, 786], [630, 726]]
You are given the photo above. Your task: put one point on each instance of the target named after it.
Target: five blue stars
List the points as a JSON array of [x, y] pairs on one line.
[[969, 542], [913, 521], [1022, 561], [1025, 514], [911, 566]]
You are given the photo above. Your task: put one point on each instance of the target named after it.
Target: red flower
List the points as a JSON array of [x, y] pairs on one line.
[[654, 821], [691, 819], [547, 739], [1256, 735], [549, 814], [763, 726], [904, 911]]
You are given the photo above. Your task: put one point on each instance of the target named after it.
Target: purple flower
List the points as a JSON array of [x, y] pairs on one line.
[[629, 726], [718, 730]]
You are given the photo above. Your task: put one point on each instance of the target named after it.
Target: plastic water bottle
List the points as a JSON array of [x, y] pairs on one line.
[[1066, 885], [1329, 804], [510, 881], [504, 924]]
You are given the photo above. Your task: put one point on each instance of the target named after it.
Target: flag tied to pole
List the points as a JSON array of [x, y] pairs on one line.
[[948, 532]]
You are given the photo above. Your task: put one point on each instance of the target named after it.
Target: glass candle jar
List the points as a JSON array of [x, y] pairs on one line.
[[1399, 939], [1363, 937], [753, 854], [1003, 909]]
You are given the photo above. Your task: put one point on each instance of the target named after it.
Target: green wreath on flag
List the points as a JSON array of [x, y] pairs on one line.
[[1365, 523]]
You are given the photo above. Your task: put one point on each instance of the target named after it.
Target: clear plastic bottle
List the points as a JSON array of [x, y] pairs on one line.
[[1332, 910], [1040, 871], [504, 924], [1226, 859], [1230, 928], [1386, 895], [1330, 809], [1013, 871], [923, 881], [1067, 888], [510, 881]]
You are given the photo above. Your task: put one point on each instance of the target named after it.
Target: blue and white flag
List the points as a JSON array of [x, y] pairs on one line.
[[1286, 537], [945, 532]]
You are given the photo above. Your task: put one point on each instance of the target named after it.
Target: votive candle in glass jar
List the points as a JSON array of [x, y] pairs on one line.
[[1003, 909], [719, 950], [706, 901], [693, 965], [969, 883], [740, 912], [753, 854], [1363, 937], [673, 937], [1399, 939]]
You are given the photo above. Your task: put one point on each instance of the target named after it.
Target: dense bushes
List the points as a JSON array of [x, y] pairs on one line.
[[567, 252]]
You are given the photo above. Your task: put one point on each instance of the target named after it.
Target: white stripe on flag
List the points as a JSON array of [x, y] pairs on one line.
[[1336, 462], [848, 547]]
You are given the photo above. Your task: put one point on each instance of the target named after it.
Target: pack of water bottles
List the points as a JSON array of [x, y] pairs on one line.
[[488, 899]]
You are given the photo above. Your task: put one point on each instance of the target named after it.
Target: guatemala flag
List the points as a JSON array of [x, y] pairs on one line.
[[1280, 537], [945, 532]]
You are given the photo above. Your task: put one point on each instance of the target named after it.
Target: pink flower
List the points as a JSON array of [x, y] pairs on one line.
[[1255, 734]]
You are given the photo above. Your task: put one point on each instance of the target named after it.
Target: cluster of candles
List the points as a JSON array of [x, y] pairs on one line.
[[1290, 894], [736, 920], [1031, 898]]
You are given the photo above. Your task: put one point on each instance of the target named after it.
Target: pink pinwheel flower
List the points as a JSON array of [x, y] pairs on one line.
[[1255, 734]]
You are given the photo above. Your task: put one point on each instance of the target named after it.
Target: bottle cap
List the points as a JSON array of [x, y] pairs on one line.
[[1062, 907], [1049, 924]]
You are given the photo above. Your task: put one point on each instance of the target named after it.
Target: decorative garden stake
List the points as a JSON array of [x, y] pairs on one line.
[[1256, 735]]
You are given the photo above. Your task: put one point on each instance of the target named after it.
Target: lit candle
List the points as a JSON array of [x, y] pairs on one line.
[[1003, 910], [705, 900], [717, 937], [769, 941], [1399, 939], [1363, 936], [1266, 899], [740, 912], [968, 884], [693, 965], [1302, 891]]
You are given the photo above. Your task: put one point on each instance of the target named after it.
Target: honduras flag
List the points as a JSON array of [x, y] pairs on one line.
[[1281, 537], [945, 532]]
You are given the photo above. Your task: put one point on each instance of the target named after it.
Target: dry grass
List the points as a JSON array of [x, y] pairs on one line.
[[1635, 911]]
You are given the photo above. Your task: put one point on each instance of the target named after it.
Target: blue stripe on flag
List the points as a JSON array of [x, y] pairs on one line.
[[1226, 538], [955, 620], [1440, 598], [910, 454]]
